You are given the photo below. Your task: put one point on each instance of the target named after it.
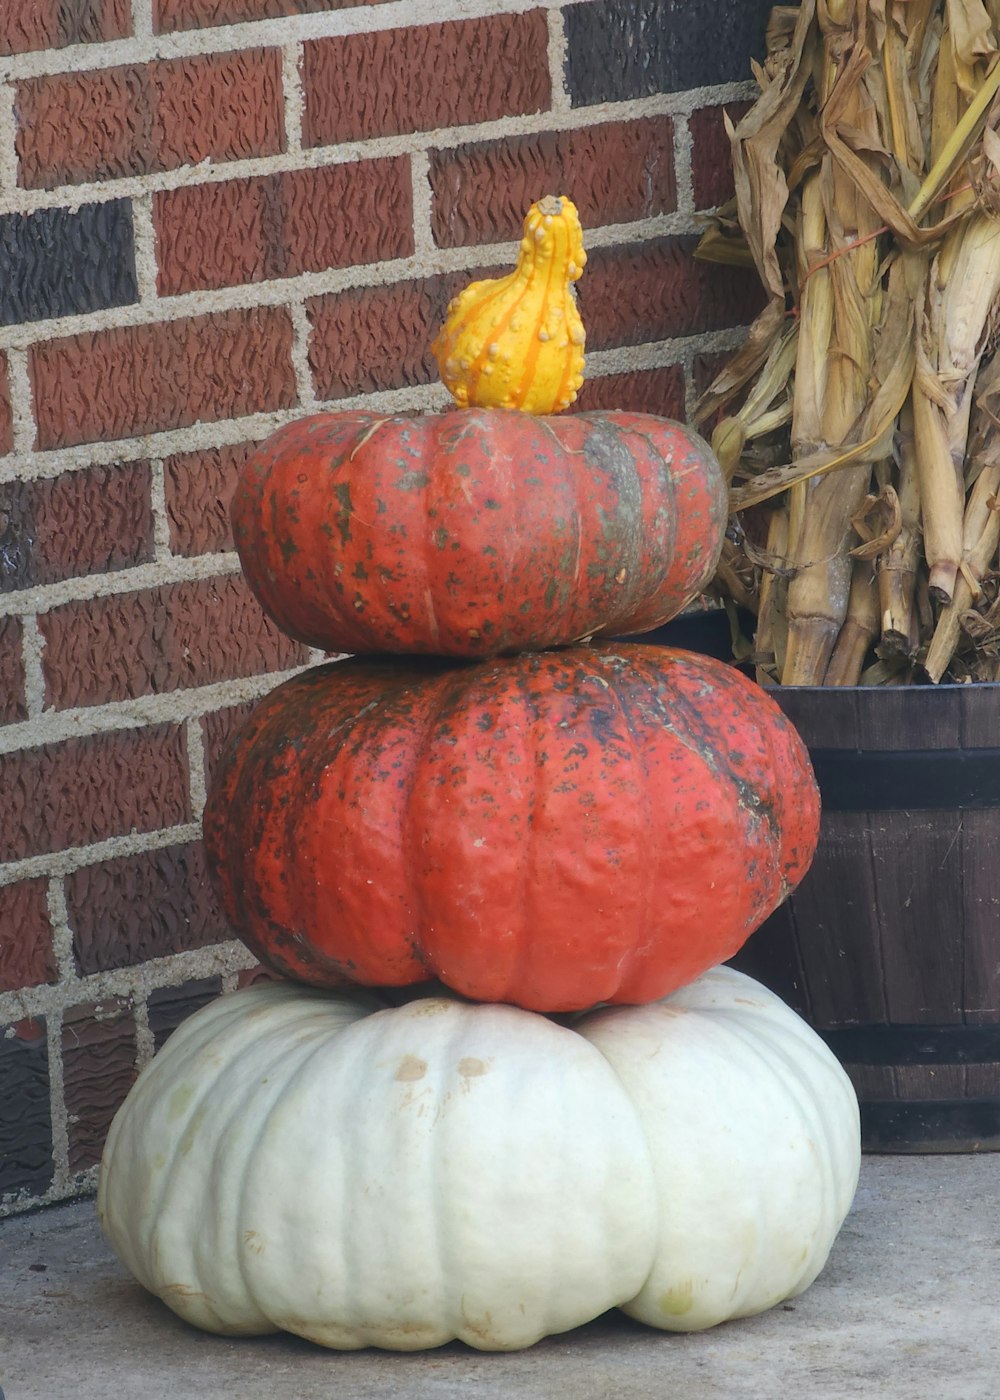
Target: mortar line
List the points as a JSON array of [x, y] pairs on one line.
[[301, 332], [64, 862], [8, 139], [127, 983], [197, 776], [561, 102], [144, 242], [57, 1099], [20, 200], [268, 33], [32, 654], [62, 933], [21, 400], [294, 97], [43, 597], [145, 1045], [683, 170], [162, 551], [168, 707], [142, 22], [289, 291], [424, 245], [226, 432]]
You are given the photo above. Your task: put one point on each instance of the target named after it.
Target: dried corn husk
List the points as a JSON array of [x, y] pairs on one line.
[[867, 183]]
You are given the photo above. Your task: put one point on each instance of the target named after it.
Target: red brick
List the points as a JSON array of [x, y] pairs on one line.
[[401, 80], [29, 25], [6, 416], [280, 225], [217, 728], [614, 173], [12, 701], [86, 790], [26, 956], [140, 907], [171, 15], [162, 639], [644, 292], [659, 391], [96, 520], [711, 154], [199, 488], [373, 338], [139, 119], [133, 380], [99, 1068]]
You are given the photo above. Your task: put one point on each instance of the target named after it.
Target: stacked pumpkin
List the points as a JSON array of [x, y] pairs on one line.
[[540, 822]]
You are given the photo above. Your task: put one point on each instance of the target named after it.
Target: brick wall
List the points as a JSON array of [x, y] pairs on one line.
[[216, 215]]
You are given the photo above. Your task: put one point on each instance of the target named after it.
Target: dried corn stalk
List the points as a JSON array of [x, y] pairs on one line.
[[867, 195]]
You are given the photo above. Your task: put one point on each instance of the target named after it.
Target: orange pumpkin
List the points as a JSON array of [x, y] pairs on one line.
[[599, 824], [477, 532]]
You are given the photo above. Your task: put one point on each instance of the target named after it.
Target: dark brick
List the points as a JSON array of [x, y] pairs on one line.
[[706, 367], [30, 25], [711, 153], [171, 15], [659, 391], [99, 1068], [373, 338], [622, 49], [25, 1118], [614, 173], [140, 907], [13, 707], [86, 790], [169, 1006], [134, 380], [399, 80], [135, 120], [199, 488], [61, 262], [218, 727], [26, 956], [645, 292], [220, 234], [6, 416], [158, 640], [96, 520]]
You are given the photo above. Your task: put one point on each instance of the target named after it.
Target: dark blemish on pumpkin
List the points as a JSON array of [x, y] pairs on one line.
[[413, 481], [342, 491], [380, 507], [440, 537], [288, 549], [492, 504], [360, 572]]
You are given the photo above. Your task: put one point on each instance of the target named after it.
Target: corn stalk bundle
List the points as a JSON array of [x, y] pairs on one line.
[[860, 423]]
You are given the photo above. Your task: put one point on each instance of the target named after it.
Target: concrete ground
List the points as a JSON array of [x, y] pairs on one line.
[[908, 1308]]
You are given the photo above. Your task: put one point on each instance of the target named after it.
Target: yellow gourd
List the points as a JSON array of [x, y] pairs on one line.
[[517, 341]]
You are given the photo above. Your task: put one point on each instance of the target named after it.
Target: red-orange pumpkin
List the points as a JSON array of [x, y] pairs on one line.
[[477, 532], [553, 829]]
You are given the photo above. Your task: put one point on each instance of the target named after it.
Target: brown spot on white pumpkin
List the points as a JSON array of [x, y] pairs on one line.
[[410, 1068], [469, 1067]]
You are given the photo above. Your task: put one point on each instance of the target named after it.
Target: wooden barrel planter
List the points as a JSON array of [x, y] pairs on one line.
[[890, 947]]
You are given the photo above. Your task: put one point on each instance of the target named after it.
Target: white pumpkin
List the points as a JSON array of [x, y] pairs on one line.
[[401, 1177]]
